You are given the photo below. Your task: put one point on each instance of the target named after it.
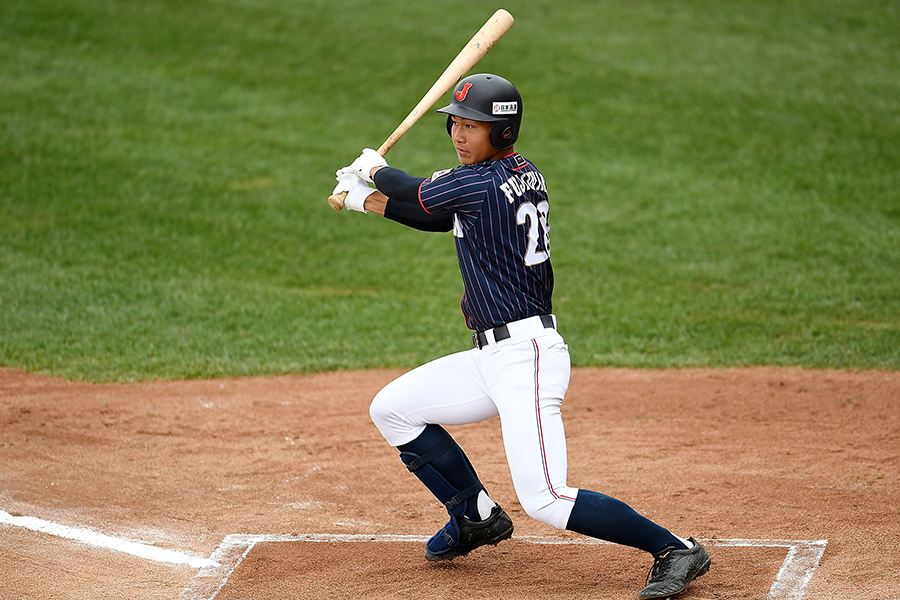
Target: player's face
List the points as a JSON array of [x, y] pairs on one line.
[[472, 140]]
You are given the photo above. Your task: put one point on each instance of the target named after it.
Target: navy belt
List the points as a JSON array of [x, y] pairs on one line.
[[480, 338]]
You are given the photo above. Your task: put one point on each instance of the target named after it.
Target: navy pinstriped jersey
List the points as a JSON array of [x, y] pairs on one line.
[[502, 237]]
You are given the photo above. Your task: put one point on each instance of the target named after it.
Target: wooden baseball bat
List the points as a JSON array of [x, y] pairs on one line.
[[489, 34]]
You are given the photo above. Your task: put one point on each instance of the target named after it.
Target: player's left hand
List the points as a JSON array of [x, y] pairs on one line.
[[343, 182], [363, 165], [357, 191]]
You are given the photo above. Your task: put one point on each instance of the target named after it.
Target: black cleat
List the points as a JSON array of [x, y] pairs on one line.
[[674, 569], [471, 534]]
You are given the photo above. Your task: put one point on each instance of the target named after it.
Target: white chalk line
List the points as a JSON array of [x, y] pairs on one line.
[[790, 583], [101, 540], [793, 577]]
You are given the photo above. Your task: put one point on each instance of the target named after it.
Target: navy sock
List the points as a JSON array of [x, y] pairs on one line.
[[602, 517], [452, 465]]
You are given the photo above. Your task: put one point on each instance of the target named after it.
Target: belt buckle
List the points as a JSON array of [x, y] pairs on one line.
[[475, 341]]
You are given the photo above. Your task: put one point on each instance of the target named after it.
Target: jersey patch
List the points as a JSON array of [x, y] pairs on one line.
[[440, 173]]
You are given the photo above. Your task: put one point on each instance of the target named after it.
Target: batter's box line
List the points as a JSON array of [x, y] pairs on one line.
[[803, 557]]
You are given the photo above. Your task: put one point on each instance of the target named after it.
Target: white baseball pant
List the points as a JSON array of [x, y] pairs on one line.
[[522, 379]]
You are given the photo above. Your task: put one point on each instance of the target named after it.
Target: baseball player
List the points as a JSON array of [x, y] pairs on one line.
[[497, 206]]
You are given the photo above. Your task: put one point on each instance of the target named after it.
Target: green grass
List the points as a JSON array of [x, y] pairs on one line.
[[725, 182]]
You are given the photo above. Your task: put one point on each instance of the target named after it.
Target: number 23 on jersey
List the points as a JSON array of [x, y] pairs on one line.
[[534, 219]]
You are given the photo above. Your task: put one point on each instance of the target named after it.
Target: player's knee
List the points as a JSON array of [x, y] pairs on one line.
[[389, 420], [381, 413], [554, 512]]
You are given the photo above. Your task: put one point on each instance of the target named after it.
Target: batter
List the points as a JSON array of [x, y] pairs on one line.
[[497, 206]]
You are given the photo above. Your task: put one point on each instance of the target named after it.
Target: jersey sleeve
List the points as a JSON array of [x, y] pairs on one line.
[[459, 190]]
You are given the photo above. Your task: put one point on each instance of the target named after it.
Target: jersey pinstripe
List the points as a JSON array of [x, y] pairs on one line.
[[502, 237]]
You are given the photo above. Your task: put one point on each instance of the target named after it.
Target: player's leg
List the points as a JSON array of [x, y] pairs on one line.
[[536, 377], [408, 412], [530, 380], [448, 391]]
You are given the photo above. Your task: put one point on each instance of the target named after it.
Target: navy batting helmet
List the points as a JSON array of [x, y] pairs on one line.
[[488, 98]]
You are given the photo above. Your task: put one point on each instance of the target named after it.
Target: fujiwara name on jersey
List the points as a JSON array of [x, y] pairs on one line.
[[514, 187]]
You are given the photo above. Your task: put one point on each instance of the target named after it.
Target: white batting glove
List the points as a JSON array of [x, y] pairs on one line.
[[363, 165], [344, 183], [356, 197]]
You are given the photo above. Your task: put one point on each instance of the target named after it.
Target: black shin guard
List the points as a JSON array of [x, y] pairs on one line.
[[438, 461]]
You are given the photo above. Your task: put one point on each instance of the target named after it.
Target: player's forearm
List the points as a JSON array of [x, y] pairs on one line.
[[376, 202], [397, 184], [397, 199], [413, 215]]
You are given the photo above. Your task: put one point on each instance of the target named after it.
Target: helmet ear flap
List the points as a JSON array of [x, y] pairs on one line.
[[450, 125], [504, 134]]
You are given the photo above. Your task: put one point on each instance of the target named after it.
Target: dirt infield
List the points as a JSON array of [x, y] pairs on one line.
[[745, 459]]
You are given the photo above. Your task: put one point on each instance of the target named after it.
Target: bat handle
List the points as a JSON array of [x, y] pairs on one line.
[[337, 200]]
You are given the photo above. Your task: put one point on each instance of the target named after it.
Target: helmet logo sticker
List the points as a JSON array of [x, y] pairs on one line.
[[461, 94], [505, 108]]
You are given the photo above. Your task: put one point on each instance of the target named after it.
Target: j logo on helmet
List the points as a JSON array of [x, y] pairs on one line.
[[461, 94]]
